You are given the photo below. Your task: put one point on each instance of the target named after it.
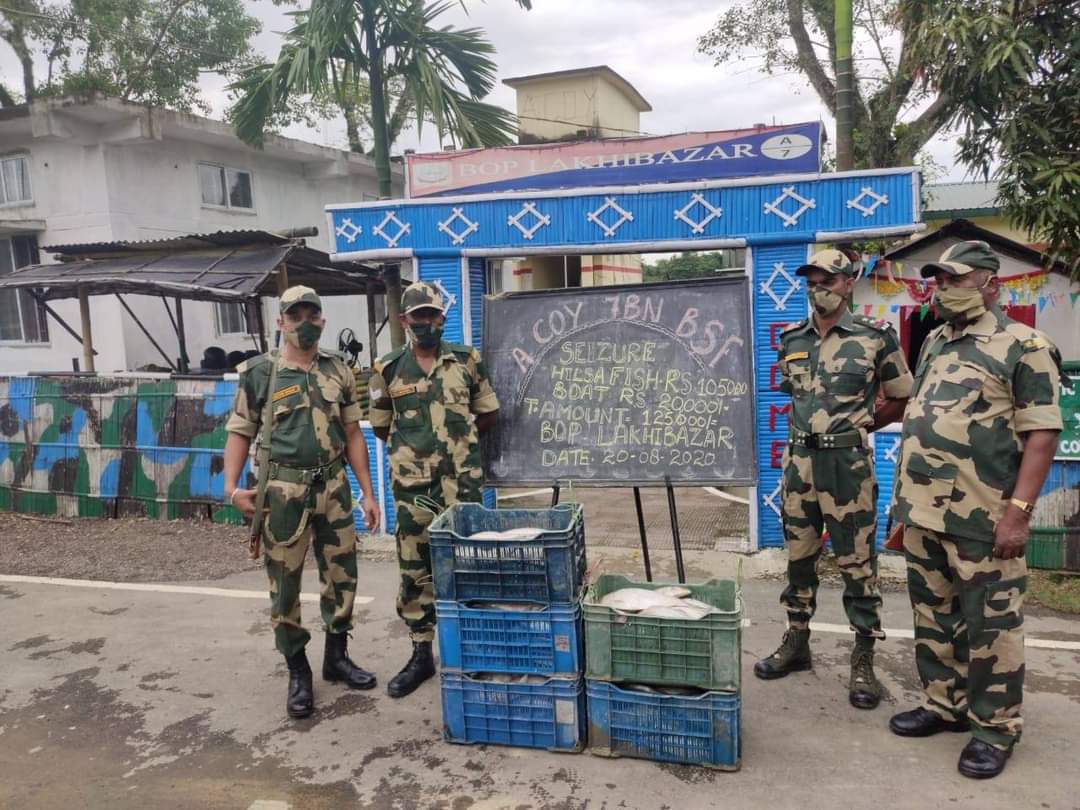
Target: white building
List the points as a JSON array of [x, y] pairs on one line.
[[104, 171]]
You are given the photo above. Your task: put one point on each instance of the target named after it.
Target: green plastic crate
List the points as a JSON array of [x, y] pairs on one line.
[[1046, 549], [706, 653]]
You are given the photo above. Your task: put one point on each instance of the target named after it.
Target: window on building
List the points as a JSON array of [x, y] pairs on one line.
[[231, 319], [494, 276], [225, 186], [15, 180], [22, 319]]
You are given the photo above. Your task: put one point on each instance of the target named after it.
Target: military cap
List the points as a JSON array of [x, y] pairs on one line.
[[831, 261], [421, 295], [963, 258], [299, 295]]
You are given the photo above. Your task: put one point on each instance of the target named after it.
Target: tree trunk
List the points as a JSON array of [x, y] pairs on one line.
[[377, 81], [352, 127], [845, 88]]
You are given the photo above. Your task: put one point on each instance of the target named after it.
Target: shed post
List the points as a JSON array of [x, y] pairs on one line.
[[87, 337], [392, 278], [185, 365], [372, 331]]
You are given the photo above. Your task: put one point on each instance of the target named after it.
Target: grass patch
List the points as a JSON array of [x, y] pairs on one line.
[[1055, 591]]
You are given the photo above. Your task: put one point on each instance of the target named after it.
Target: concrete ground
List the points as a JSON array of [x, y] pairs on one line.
[[151, 698]]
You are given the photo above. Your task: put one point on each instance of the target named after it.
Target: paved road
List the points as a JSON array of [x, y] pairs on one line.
[[114, 698]]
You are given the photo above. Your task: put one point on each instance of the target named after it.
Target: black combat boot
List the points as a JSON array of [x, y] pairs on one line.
[[980, 760], [301, 700], [864, 690], [336, 665], [793, 655], [420, 667]]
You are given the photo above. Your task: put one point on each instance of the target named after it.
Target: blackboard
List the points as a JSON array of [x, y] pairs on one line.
[[626, 385]]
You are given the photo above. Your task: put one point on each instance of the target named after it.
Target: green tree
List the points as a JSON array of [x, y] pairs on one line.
[[799, 36], [337, 44], [693, 265], [1014, 66], [148, 51]]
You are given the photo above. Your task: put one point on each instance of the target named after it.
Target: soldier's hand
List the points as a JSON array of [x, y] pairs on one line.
[[371, 513], [244, 500], [1010, 536]]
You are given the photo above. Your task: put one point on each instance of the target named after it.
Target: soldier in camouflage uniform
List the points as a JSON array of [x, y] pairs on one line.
[[315, 431], [979, 437], [833, 365], [430, 400]]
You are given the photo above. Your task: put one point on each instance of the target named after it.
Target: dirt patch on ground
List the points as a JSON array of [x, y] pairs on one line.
[[125, 550]]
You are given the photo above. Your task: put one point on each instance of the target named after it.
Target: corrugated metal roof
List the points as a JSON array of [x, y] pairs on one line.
[[193, 241], [960, 196], [211, 274]]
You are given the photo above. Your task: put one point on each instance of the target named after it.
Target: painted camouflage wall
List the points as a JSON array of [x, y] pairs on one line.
[[113, 446]]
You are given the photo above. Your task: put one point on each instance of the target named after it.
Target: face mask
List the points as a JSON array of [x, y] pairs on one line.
[[425, 335], [825, 302], [305, 336], [959, 303]]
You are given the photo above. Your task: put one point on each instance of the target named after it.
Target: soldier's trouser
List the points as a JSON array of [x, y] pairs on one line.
[[969, 631], [296, 512], [831, 490], [416, 596]]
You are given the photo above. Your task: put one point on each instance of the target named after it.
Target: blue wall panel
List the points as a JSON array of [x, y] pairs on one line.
[[779, 299], [886, 455], [445, 271]]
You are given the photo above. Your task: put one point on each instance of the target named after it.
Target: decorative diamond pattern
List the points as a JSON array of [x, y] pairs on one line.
[[448, 296], [779, 299], [348, 230], [875, 201], [391, 218], [893, 453], [610, 204], [772, 499], [711, 212], [539, 220], [789, 193], [458, 236]]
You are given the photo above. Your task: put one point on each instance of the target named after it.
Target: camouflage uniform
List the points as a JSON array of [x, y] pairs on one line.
[[311, 409], [977, 389], [833, 382], [434, 451]]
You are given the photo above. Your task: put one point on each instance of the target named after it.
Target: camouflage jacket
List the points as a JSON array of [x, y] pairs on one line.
[[833, 380], [311, 408], [976, 391], [431, 416]]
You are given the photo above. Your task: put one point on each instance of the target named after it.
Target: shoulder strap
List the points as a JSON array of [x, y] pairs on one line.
[[262, 457]]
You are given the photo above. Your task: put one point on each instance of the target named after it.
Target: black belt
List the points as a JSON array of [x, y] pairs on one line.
[[826, 441], [306, 475]]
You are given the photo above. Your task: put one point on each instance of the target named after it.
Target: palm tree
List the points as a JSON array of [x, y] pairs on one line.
[[336, 44]]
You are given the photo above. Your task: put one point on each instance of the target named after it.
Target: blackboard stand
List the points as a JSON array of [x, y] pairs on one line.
[[644, 538], [676, 538]]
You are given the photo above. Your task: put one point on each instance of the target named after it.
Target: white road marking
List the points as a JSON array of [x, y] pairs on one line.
[[158, 587], [1041, 643]]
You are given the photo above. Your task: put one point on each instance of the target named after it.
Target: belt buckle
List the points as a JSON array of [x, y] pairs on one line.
[[811, 441], [317, 476]]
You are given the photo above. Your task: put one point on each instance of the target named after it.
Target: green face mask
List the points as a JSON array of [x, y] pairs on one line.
[[305, 336], [425, 335], [959, 303], [825, 302]]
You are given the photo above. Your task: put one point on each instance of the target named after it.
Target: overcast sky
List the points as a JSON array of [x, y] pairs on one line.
[[652, 43]]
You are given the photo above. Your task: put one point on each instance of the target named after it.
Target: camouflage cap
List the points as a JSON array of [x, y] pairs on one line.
[[299, 295], [831, 261], [421, 295], [963, 258]]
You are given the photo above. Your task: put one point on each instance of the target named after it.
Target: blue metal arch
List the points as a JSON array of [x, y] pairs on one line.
[[779, 218]]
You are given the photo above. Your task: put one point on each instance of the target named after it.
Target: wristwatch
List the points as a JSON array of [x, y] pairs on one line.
[[1024, 506]]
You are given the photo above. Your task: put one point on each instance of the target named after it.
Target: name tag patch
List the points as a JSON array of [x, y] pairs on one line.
[[402, 390], [285, 392], [797, 356]]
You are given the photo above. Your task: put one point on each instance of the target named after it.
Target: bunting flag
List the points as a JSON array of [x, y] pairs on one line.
[[867, 309], [1073, 296], [1042, 303], [923, 310]]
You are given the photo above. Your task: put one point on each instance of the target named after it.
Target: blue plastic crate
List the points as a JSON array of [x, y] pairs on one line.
[[540, 642], [547, 715], [693, 730], [548, 569]]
